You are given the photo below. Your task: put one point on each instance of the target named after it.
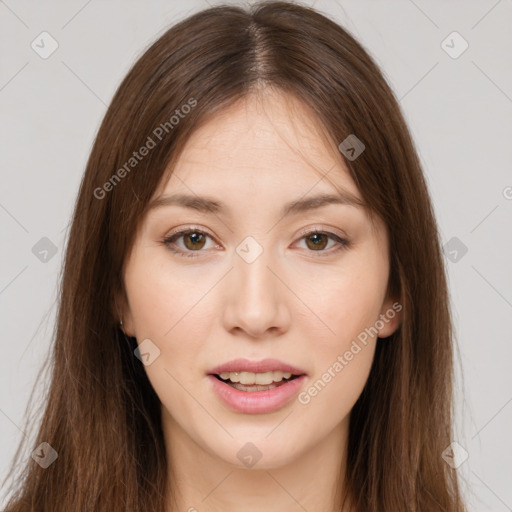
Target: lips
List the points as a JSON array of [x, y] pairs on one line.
[[256, 398], [265, 365], [256, 401]]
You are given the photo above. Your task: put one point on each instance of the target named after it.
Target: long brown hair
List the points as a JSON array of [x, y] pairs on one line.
[[101, 414]]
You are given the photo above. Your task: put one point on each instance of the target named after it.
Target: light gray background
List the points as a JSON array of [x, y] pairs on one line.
[[459, 111]]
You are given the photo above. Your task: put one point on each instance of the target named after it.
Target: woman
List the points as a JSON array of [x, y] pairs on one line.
[[254, 311]]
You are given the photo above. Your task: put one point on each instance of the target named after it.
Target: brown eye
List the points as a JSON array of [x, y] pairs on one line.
[[318, 241], [194, 240], [323, 243], [189, 243]]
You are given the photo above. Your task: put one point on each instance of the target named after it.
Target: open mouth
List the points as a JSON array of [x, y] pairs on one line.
[[261, 392], [247, 381]]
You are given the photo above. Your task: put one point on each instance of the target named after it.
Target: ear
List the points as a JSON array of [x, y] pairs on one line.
[[123, 314], [390, 317]]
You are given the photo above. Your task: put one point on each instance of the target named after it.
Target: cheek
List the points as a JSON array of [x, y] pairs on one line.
[[347, 302], [174, 310], [349, 306], [164, 300], [344, 355], [166, 307], [333, 391]]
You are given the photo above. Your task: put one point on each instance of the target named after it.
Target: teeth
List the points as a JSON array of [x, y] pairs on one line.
[[249, 378]]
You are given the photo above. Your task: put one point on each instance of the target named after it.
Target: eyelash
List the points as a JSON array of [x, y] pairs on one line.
[[168, 241]]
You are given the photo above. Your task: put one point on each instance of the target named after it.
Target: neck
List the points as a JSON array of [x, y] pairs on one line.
[[202, 481]]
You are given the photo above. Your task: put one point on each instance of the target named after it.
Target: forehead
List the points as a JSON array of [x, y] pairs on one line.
[[267, 143]]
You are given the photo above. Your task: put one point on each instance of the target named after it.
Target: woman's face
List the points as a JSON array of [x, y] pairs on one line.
[[250, 281]]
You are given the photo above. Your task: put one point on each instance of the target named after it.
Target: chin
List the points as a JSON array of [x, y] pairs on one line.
[[261, 451]]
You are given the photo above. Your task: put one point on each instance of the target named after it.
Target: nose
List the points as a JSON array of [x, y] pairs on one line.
[[256, 298]]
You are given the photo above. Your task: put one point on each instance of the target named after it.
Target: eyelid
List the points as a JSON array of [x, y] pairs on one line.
[[188, 229], [303, 232], [341, 240], [182, 231], [322, 229]]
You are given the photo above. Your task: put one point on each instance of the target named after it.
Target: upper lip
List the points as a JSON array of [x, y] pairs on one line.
[[265, 365]]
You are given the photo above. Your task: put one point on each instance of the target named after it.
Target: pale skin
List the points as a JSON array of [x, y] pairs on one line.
[[295, 302]]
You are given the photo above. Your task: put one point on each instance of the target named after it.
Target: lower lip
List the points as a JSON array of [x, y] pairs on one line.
[[253, 402]]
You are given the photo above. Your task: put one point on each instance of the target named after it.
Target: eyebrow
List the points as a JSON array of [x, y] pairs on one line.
[[205, 204]]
